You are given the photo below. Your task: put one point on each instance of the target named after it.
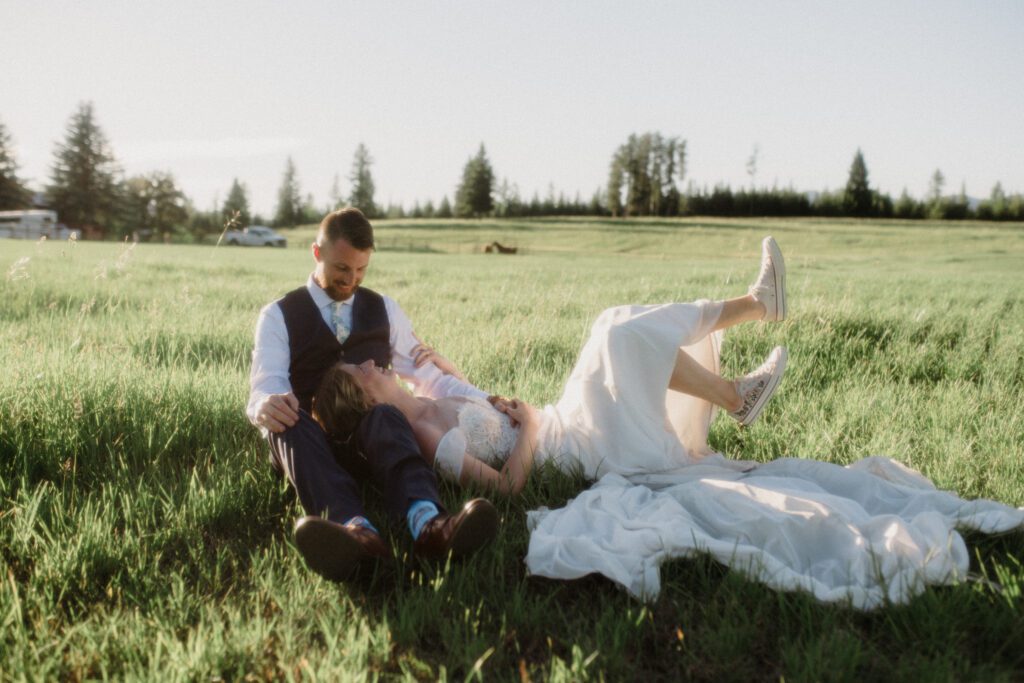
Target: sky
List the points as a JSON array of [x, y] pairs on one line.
[[216, 90]]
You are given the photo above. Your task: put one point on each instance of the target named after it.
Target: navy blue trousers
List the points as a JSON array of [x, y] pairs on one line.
[[326, 475]]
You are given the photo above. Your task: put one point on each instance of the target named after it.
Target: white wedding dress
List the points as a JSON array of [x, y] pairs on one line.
[[616, 413], [866, 534]]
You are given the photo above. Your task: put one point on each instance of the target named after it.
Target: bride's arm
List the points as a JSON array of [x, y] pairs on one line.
[[511, 478]]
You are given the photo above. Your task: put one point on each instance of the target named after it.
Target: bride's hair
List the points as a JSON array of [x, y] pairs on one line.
[[339, 403]]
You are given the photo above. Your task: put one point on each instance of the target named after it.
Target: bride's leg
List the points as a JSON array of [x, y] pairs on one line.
[[690, 377], [766, 299], [742, 309]]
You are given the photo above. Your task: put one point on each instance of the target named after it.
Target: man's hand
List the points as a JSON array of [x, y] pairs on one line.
[[423, 354], [278, 412]]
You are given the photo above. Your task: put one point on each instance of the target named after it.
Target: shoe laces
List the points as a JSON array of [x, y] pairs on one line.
[[753, 385], [766, 267]]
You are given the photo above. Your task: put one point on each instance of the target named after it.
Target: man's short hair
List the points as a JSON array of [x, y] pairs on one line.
[[348, 224]]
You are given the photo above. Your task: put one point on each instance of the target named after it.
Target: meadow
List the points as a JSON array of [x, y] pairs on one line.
[[143, 535]]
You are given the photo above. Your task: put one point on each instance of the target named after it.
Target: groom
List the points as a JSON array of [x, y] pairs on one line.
[[298, 337]]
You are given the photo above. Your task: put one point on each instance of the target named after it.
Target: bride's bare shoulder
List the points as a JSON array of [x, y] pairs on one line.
[[445, 411]]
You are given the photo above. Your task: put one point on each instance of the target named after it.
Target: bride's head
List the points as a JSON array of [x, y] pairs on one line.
[[340, 403], [347, 392]]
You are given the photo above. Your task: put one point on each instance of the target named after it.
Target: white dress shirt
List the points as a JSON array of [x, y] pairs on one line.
[[271, 357]]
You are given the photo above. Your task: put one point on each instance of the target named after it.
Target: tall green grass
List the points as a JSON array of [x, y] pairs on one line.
[[143, 536]]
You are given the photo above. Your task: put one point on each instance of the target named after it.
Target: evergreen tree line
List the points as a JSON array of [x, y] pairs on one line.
[[90, 192], [88, 189], [645, 171]]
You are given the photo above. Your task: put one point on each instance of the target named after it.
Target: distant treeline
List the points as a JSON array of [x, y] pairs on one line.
[[646, 171], [89, 192], [722, 200]]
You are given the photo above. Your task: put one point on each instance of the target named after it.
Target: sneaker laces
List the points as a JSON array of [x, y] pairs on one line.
[[752, 386], [759, 283], [751, 395]]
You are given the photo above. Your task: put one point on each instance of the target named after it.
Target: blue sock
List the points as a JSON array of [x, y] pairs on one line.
[[420, 512], [359, 520]]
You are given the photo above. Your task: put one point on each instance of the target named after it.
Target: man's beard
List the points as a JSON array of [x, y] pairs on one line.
[[333, 291], [341, 294]]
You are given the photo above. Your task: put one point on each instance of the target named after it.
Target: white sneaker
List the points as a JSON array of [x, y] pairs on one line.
[[770, 286], [758, 386]]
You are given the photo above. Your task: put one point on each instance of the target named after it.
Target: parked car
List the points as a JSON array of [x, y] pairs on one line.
[[35, 224], [255, 236]]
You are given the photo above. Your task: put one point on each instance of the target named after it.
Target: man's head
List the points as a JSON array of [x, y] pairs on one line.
[[342, 252]]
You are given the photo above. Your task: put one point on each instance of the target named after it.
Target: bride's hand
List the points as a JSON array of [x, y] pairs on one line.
[[520, 412]]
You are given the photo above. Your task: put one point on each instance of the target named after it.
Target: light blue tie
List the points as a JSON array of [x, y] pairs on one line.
[[340, 329]]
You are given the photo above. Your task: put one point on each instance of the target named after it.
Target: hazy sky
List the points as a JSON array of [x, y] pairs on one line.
[[216, 90]]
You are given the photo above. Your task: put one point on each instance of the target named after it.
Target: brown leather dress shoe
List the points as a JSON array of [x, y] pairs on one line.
[[335, 551], [461, 534]]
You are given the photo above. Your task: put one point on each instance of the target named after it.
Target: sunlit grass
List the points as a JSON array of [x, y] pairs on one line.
[[142, 534]]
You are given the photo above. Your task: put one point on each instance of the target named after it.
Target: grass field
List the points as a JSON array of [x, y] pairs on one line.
[[143, 536]]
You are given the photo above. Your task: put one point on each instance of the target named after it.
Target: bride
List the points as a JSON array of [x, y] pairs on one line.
[[638, 401], [634, 416]]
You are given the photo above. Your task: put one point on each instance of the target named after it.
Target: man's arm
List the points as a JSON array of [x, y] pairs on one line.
[[427, 380], [272, 405]]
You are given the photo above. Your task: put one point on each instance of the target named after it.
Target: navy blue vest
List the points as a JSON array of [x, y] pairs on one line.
[[314, 348]]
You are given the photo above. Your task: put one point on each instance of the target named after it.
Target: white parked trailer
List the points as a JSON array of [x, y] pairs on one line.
[[33, 224]]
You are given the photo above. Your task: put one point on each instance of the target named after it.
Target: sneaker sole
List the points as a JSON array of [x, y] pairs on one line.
[[780, 279], [773, 383], [329, 552]]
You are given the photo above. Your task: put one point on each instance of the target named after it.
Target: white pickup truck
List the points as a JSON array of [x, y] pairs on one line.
[[255, 236]]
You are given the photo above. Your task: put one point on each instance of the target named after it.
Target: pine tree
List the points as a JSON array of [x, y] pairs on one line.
[[857, 196], [752, 167], [998, 201], [906, 207], [13, 194], [289, 199], [959, 208], [444, 209], [84, 185], [535, 207], [935, 185], [937, 204], [362, 182], [335, 196], [236, 206], [309, 213], [475, 195]]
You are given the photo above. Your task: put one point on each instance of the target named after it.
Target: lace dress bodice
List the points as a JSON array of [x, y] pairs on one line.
[[489, 434], [481, 432]]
